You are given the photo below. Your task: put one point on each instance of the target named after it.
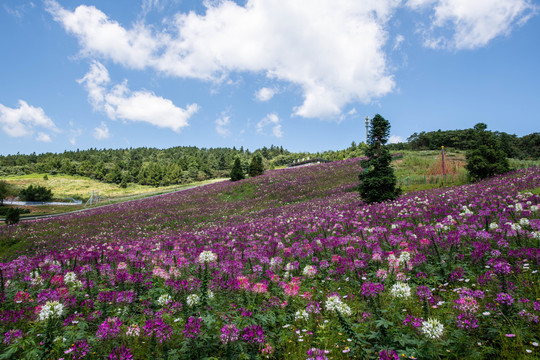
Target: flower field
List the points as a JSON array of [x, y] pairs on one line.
[[287, 265]]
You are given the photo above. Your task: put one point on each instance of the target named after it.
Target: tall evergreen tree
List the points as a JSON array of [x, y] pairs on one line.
[[256, 166], [236, 172], [486, 158], [377, 180]]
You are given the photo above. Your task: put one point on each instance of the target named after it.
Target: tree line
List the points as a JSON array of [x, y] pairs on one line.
[[525, 147]]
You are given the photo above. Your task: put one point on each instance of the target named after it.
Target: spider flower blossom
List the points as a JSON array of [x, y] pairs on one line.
[[334, 303], [192, 300], [432, 328], [207, 257], [309, 271], [51, 309], [229, 333], [401, 290]]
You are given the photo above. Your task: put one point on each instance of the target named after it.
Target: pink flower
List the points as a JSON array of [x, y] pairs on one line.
[[292, 288], [243, 282], [260, 288]]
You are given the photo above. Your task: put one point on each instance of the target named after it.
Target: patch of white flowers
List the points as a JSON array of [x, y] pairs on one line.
[[207, 257], [493, 226], [70, 278], [404, 257], [192, 300], [51, 309], [524, 222], [301, 315], [309, 271], [164, 299], [432, 328], [334, 303], [401, 290]]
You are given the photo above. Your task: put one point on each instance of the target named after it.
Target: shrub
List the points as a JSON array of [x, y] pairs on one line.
[[487, 157], [36, 193], [236, 171], [12, 216]]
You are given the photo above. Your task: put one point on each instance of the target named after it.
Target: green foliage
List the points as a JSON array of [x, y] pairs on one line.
[[3, 191], [378, 182], [12, 216], [256, 166], [487, 157], [36, 193], [236, 172]]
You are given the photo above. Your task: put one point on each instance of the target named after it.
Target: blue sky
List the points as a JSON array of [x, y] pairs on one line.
[[300, 74]]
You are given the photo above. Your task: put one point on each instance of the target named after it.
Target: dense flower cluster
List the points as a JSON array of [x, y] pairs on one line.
[[295, 246]]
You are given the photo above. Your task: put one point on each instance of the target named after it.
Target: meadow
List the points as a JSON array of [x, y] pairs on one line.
[[287, 265]]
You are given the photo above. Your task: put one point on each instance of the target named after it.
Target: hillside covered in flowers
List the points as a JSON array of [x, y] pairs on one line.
[[288, 265]]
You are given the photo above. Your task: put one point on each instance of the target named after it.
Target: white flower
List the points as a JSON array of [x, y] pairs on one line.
[[207, 257], [164, 299], [534, 208], [192, 300], [404, 257], [334, 303], [70, 277], [432, 328], [516, 227], [401, 290], [524, 222], [301, 315], [309, 271], [493, 226], [519, 207], [51, 309]]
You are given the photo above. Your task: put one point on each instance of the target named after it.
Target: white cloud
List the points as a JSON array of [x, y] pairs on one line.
[[473, 23], [265, 94], [102, 132], [21, 121], [73, 133], [222, 125], [398, 41], [119, 102], [271, 120], [394, 139], [43, 137], [331, 50]]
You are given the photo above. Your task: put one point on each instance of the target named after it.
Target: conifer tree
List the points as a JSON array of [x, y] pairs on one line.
[[486, 158], [236, 171], [256, 166], [377, 180]]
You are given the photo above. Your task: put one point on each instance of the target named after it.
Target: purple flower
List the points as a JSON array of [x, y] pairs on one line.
[[79, 350], [253, 334], [121, 353], [229, 333], [317, 354], [192, 328], [12, 335], [158, 328], [423, 292], [388, 354], [414, 321], [109, 329], [505, 299], [370, 289], [467, 321]]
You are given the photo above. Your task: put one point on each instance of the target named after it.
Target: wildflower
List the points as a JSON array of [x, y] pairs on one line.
[[192, 327], [192, 300], [466, 304], [158, 328], [301, 315], [229, 333], [432, 328], [12, 336], [243, 282], [267, 350], [370, 289], [79, 349], [164, 299], [51, 309], [493, 226], [401, 290], [292, 288], [466, 321], [510, 335], [309, 271], [505, 299], [382, 274], [109, 329], [388, 354], [253, 334], [260, 288], [423, 292], [70, 277], [133, 330], [207, 257], [121, 353], [524, 222], [317, 354], [404, 256], [334, 303]]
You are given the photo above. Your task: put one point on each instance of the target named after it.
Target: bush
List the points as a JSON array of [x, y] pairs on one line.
[[486, 158], [36, 193], [236, 171], [12, 216]]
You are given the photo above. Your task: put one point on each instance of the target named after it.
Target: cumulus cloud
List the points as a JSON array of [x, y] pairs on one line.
[[119, 102], [22, 121], [222, 125], [271, 120], [472, 24], [331, 50], [265, 94], [102, 132], [394, 139]]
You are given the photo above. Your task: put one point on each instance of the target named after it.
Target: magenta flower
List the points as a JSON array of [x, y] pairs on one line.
[[192, 328]]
